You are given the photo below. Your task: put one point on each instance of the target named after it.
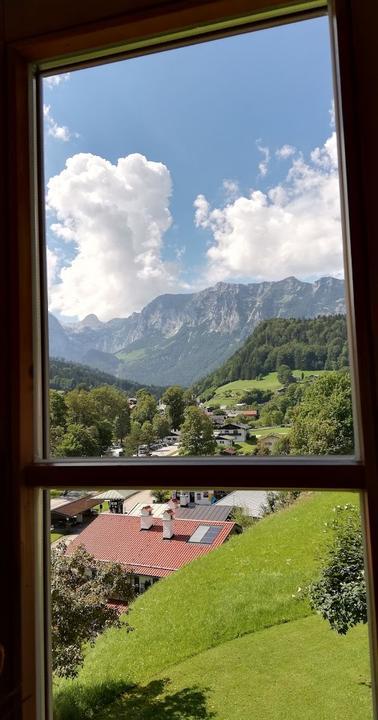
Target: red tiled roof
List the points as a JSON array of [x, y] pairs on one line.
[[118, 538]]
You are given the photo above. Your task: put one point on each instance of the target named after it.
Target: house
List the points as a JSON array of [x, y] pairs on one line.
[[197, 512], [238, 431], [268, 441], [217, 419], [115, 499], [193, 497], [72, 510], [252, 501], [225, 440], [148, 547], [172, 438], [251, 414]]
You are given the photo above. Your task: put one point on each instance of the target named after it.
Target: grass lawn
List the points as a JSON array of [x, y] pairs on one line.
[[246, 448], [298, 671], [231, 393], [105, 506], [244, 586], [55, 536], [273, 430]]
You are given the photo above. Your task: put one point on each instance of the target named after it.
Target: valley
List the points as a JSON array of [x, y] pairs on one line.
[[178, 339]]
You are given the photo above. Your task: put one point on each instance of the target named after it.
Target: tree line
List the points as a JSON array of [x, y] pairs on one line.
[[303, 344], [85, 423], [67, 375]]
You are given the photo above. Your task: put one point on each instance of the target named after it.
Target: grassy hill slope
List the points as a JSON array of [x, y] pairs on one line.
[[309, 344], [248, 584], [297, 671], [232, 392]]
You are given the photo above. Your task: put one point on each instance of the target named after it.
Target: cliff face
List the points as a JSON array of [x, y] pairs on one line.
[[179, 338]]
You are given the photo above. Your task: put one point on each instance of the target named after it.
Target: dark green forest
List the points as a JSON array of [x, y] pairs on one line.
[[313, 344], [66, 375]]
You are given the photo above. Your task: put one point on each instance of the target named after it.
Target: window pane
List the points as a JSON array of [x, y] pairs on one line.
[[194, 252], [251, 606]]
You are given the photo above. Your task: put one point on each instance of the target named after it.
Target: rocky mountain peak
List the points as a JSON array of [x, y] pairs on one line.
[[178, 338]]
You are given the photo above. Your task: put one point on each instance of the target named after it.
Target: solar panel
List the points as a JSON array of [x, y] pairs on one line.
[[199, 533], [205, 534], [211, 534]]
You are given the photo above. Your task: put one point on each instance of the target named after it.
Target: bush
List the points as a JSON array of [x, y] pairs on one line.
[[340, 593]]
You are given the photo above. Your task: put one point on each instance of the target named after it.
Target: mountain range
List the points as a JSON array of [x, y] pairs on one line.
[[179, 338]]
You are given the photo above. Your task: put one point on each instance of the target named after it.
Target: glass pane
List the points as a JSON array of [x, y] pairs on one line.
[[194, 252], [243, 605]]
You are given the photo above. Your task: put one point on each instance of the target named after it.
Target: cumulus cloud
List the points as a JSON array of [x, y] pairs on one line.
[[59, 132], [293, 229], [263, 165], [285, 152], [55, 80], [116, 217]]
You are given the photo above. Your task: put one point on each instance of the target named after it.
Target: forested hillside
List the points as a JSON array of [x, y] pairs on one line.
[[307, 344], [66, 375]]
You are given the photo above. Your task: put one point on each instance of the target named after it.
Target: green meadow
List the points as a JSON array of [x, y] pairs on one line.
[[230, 635]]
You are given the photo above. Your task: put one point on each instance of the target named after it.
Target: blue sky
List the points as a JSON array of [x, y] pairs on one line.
[[210, 114]]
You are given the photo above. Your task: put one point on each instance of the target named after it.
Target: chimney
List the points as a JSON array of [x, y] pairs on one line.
[[146, 517], [168, 516], [184, 499], [174, 504]]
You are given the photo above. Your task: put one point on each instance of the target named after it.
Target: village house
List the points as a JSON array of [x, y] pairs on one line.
[[250, 414], [238, 431], [268, 441], [150, 548], [225, 440], [195, 512], [72, 509], [193, 497], [251, 501]]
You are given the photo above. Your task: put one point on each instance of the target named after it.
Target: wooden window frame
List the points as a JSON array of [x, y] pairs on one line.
[[355, 55]]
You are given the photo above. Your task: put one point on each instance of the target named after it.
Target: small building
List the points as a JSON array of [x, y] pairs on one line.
[[173, 437], [269, 441], [67, 510], [225, 440], [115, 499], [238, 431], [250, 414], [151, 548], [218, 420], [193, 497], [251, 501]]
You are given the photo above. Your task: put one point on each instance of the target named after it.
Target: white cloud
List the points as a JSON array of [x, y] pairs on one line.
[[285, 152], [263, 165], [201, 214], [116, 216], [52, 263], [55, 80], [59, 132], [332, 120], [231, 188], [293, 229]]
